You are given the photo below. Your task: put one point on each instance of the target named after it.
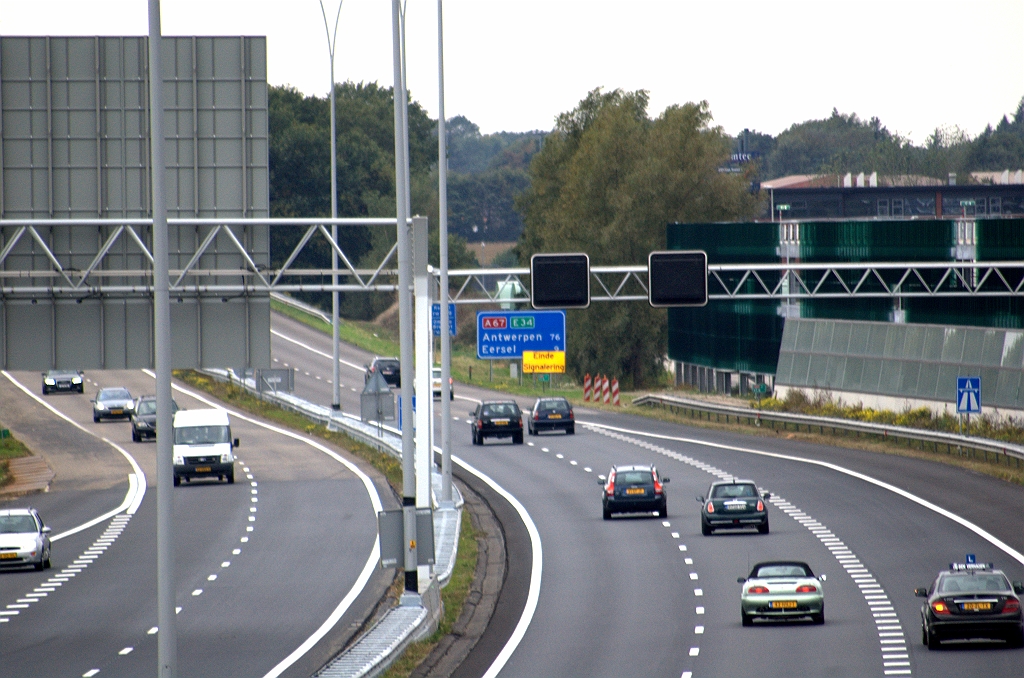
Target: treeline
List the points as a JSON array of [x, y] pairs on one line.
[[845, 143]]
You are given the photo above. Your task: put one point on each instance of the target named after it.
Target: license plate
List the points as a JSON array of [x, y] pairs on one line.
[[977, 606], [635, 490], [500, 422], [554, 416], [203, 469], [117, 411], [783, 604], [8, 556]]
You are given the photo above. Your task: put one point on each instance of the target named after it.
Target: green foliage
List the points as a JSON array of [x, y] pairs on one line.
[[822, 404], [844, 143], [606, 182]]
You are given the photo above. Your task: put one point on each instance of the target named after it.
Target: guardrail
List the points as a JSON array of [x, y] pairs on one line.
[[372, 653], [972, 447]]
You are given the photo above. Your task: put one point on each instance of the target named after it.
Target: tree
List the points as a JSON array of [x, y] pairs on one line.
[[606, 182]]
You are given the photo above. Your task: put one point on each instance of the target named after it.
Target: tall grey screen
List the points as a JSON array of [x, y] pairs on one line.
[[74, 144]]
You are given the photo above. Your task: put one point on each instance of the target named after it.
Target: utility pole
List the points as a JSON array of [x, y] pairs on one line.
[[167, 639], [404, 309], [446, 341]]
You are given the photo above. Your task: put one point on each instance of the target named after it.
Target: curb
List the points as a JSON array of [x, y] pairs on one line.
[[29, 475]]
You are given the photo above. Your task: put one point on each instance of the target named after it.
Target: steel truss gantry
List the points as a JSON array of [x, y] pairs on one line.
[[50, 273]]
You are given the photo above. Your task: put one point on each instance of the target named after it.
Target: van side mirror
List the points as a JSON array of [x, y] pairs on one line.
[[236, 442], [741, 580], [700, 498]]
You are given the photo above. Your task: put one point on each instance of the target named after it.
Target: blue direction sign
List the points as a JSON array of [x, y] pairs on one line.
[[506, 334], [968, 395], [435, 319]]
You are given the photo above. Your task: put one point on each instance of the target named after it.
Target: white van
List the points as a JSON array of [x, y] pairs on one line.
[[203, 447]]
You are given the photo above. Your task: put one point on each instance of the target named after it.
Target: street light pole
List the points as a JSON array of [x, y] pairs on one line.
[[332, 41], [446, 341], [404, 309], [167, 639]]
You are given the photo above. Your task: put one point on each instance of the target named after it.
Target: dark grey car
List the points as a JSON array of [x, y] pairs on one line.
[[112, 403], [144, 418]]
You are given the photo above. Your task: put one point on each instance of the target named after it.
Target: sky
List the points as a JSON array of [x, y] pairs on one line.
[[514, 66]]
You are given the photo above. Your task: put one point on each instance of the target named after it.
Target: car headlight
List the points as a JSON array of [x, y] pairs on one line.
[[130, 406], [49, 382], [226, 458], [100, 406], [179, 460], [76, 380]]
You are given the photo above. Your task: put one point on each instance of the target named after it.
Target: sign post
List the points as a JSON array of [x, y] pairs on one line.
[[505, 335], [968, 398]]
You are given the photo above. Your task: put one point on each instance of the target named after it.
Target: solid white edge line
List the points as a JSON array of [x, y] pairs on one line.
[[309, 348], [984, 534], [136, 481], [371, 562], [533, 596]]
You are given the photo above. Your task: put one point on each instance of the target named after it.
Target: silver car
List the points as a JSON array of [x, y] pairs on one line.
[[782, 590], [24, 539], [114, 402]]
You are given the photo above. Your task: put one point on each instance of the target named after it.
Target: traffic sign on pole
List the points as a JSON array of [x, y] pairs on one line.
[[968, 395], [503, 335], [435, 319]]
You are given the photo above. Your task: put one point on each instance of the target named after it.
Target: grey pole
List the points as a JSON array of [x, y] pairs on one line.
[[446, 340], [332, 41], [167, 639], [404, 311]]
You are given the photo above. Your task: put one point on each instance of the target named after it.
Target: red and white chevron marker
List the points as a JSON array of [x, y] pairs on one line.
[[586, 387], [615, 392], [605, 388]]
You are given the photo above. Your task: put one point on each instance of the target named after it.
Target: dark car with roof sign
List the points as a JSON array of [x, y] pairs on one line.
[[551, 414], [971, 601], [497, 419]]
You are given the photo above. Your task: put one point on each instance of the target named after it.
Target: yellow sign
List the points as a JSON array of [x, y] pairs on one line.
[[543, 362]]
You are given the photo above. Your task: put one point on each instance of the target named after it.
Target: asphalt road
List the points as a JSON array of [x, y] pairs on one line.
[[653, 597], [260, 565]]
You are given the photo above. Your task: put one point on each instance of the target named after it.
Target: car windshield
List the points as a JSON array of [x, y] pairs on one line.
[[499, 410], [734, 491], [633, 478], [436, 372], [146, 407], [973, 583], [556, 406], [388, 364], [781, 570], [61, 373], [114, 394], [17, 524], [201, 435]]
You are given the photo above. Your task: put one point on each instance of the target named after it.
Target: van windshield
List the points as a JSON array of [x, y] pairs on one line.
[[201, 435]]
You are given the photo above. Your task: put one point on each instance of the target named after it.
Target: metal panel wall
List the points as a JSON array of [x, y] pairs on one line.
[[74, 143]]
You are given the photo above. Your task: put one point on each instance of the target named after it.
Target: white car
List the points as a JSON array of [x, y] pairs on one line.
[[24, 539], [435, 383]]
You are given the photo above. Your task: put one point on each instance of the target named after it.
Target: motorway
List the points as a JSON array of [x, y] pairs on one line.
[[634, 595], [260, 564], [652, 597]]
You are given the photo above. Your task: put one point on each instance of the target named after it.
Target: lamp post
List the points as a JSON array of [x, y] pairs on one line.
[[446, 340], [332, 40]]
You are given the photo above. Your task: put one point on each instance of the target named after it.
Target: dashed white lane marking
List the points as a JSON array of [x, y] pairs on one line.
[[90, 673], [700, 610], [197, 592], [126, 650], [698, 630], [587, 469], [694, 651], [889, 629], [558, 456], [573, 463], [529, 443]]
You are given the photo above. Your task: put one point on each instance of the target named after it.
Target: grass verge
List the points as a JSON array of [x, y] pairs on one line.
[[10, 448], [453, 596]]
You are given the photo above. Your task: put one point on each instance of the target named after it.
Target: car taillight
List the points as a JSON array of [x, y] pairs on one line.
[[806, 588], [610, 487], [711, 507], [479, 423], [657, 486], [570, 414], [1011, 605], [760, 505], [536, 415], [758, 589], [940, 607]]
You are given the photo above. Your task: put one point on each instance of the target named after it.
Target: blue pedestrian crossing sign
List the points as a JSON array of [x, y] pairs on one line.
[[968, 395]]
